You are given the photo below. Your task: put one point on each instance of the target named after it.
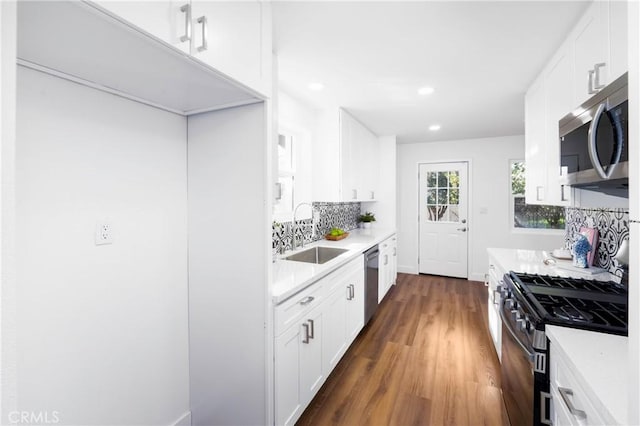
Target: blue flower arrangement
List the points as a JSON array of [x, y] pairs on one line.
[[581, 246]]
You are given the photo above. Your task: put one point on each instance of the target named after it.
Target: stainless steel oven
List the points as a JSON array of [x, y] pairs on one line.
[[530, 302], [524, 363]]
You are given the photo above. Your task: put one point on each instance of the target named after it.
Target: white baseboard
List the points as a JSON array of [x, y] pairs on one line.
[[184, 420], [407, 269], [476, 277]]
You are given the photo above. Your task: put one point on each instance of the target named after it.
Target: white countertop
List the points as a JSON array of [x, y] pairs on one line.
[[532, 262], [601, 360], [290, 277]]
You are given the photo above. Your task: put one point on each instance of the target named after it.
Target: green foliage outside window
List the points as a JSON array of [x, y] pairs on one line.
[[528, 215]]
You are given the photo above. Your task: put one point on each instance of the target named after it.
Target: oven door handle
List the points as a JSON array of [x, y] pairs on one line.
[[505, 321]]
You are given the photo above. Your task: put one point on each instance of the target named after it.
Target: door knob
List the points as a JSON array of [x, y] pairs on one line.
[[464, 221], [462, 229]]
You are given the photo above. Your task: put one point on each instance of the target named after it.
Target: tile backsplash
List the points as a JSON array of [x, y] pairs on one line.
[[613, 228], [340, 215]]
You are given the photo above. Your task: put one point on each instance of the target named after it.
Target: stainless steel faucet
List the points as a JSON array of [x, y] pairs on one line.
[[295, 226]]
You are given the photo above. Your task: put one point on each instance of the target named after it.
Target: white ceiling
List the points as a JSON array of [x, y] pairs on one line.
[[373, 56]]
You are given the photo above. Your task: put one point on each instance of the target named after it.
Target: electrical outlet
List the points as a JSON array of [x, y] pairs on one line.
[[104, 233]]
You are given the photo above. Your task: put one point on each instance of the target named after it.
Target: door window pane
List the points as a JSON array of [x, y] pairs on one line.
[[443, 196]]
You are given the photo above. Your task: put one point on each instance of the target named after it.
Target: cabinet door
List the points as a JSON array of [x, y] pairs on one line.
[[535, 148], [227, 35], [383, 274], [333, 328], [167, 20], [311, 373], [355, 305], [618, 38], [288, 403], [590, 47], [394, 260], [558, 102], [348, 153]]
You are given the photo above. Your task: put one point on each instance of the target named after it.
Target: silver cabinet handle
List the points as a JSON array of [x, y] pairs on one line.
[[540, 193], [307, 300], [395, 250], [496, 297], [563, 193], [386, 259], [462, 229], [186, 9], [354, 194], [305, 339], [353, 291], [596, 81], [545, 417], [349, 293], [203, 22], [565, 393], [591, 90], [312, 333]]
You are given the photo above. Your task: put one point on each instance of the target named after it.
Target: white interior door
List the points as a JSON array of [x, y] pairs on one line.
[[443, 225]]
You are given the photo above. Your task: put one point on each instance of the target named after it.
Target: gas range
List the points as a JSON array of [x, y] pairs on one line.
[[572, 302], [529, 302]]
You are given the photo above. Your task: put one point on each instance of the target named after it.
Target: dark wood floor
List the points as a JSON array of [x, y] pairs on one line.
[[426, 358]]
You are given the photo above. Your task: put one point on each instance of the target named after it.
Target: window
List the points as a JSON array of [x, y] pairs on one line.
[[529, 216], [442, 196]]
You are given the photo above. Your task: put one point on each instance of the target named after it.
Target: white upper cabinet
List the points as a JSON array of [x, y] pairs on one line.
[[593, 55], [600, 47], [558, 101], [167, 20], [359, 152], [535, 144], [228, 36], [85, 43], [231, 36], [618, 38], [590, 49]]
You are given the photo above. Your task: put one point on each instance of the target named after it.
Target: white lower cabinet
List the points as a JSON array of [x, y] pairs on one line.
[[313, 331], [572, 404], [387, 266], [495, 282]]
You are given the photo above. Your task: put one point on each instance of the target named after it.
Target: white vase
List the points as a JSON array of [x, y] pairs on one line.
[[366, 225]]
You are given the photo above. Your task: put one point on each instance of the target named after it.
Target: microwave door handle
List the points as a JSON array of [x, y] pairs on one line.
[[618, 138], [593, 130]]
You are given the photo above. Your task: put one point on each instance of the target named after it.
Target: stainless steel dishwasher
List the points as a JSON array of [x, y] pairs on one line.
[[371, 282]]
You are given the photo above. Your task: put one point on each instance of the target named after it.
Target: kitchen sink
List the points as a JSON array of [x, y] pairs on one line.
[[316, 255]]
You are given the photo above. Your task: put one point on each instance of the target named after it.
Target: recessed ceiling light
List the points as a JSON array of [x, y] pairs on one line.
[[434, 127], [425, 90], [315, 86]]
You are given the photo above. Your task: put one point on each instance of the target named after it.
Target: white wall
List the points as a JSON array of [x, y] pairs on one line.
[[489, 182], [227, 262], [102, 330], [298, 119], [8, 285]]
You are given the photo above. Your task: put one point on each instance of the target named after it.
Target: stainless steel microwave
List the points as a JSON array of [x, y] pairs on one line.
[[594, 148]]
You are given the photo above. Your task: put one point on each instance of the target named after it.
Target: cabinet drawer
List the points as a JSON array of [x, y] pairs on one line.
[[345, 273], [288, 312], [565, 383]]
